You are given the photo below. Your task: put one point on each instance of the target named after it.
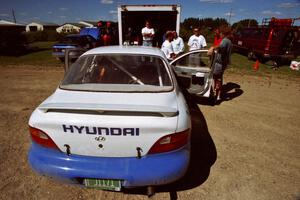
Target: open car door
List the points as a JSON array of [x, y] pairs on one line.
[[194, 72], [71, 55]]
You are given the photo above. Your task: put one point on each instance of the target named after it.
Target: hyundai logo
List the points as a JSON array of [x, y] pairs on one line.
[[100, 139]]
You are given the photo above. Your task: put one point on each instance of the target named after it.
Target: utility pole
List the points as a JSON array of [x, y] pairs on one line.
[[230, 15], [13, 13]]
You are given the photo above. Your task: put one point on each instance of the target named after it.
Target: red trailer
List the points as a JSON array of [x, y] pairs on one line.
[[276, 40]]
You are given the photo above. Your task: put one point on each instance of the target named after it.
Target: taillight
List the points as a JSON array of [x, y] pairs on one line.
[[41, 138], [170, 142]]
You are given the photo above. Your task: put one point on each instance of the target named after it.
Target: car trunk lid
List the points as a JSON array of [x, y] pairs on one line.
[[107, 129]]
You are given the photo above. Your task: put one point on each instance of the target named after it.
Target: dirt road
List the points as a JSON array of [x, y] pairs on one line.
[[244, 148]]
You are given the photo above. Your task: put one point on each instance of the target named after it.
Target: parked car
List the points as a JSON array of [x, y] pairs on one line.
[[117, 120], [73, 41], [275, 40]]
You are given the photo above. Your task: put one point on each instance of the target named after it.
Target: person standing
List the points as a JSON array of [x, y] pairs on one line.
[[222, 59], [177, 44], [167, 47], [217, 37], [196, 41], [148, 34]]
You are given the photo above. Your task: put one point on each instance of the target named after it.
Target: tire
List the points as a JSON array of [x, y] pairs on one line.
[[62, 60], [263, 60], [251, 55], [212, 97], [275, 65]]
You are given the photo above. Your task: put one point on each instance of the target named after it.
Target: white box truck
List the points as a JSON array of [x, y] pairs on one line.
[[132, 18]]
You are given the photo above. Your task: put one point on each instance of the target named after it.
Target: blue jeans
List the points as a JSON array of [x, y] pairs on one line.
[[147, 43]]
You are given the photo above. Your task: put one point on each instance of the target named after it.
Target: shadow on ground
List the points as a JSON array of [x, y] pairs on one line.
[[203, 155], [230, 91]]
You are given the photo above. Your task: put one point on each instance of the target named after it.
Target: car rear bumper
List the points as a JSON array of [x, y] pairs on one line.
[[157, 169]]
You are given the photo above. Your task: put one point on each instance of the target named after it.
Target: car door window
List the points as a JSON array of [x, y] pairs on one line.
[[194, 70]]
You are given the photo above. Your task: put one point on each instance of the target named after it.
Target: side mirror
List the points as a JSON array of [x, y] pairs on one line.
[[70, 57]]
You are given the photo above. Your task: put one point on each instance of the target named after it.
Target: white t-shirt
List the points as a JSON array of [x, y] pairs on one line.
[[178, 45], [147, 30], [196, 42], [167, 48]]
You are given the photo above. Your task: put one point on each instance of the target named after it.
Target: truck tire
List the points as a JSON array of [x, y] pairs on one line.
[[275, 65], [251, 55]]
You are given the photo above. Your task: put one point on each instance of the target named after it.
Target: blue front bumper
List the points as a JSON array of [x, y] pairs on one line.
[[156, 169]]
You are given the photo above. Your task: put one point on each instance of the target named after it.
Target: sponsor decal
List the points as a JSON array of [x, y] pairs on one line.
[[101, 130]]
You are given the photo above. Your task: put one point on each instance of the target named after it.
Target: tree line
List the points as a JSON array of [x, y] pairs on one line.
[[208, 25]]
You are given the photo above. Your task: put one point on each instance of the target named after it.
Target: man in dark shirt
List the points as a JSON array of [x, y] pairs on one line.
[[222, 59]]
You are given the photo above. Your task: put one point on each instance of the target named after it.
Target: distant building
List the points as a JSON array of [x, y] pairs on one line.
[[12, 39], [40, 26], [7, 25], [89, 23], [70, 28]]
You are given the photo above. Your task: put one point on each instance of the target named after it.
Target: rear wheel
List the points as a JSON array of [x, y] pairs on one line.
[[263, 59], [251, 55], [275, 65]]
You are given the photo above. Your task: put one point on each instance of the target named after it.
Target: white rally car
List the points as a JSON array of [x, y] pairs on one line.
[[118, 119]]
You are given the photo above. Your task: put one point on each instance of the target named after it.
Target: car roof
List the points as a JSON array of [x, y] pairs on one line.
[[137, 50]]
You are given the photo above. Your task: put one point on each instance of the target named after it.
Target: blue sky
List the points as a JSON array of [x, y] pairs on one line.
[[60, 11]]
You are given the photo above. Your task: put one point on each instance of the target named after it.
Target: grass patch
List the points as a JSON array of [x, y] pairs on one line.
[[240, 63], [40, 58], [39, 53], [42, 45]]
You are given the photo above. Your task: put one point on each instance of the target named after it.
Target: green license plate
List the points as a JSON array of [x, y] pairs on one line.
[[103, 184]]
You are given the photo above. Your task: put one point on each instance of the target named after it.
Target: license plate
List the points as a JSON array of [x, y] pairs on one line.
[[103, 184]]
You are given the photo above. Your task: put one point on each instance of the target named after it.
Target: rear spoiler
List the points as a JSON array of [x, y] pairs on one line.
[[110, 109]]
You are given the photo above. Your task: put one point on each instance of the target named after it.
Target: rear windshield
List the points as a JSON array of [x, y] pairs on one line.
[[118, 72]]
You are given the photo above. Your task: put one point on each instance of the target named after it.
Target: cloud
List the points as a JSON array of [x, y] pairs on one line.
[[270, 13], [23, 13], [107, 1], [216, 1], [113, 12], [4, 15], [62, 16], [288, 5], [63, 9], [229, 14], [50, 12]]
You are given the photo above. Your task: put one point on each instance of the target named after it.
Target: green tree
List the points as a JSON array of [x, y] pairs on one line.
[[245, 23], [207, 26]]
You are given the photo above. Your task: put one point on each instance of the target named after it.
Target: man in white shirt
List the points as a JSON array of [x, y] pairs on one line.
[[177, 44], [166, 47], [148, 34], [196, 41]]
